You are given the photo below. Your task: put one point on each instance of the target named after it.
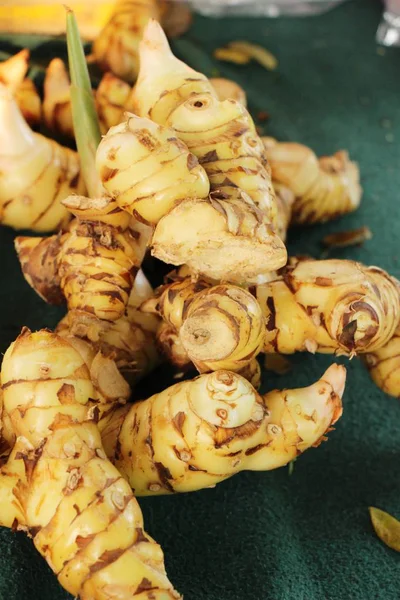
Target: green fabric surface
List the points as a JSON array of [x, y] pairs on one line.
[[275, 536]]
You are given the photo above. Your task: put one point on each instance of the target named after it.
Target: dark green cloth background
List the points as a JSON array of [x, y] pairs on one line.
[[272, 536]]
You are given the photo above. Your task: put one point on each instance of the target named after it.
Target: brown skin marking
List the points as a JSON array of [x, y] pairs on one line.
[[112, 153], [271, 324], [241, 131], [143, 586], [229, 183], [255, 449], [224, 435], [178, 421], [323, 281], [33, 531], [146, 139], [68, 491], [210, 156], [140, 536], [66, 394], [107, 558], [192, 162], [100, 276], [30, 460], [118, 449], [82, 542], [172, 293], [218, 195], [164, 475], [107, 173], [346, 338], [115, 295], [194, 468]]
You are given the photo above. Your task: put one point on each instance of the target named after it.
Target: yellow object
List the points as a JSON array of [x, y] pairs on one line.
[[329, 306], [129, 341], [90, 527], [57, 112], [13, 75], [263, 56], [223, 137], [285, 200], [96, 260], [46, 17], [221, 134], [13, 70], [198, 433], [324, 188], [164, 82], [116, 47], [225, 239], [36, 173], [227, 89], [232, 55], [110, 97], [384, 365], [387, 528], [148, 170], [220, 327], [29, 103], [152, 175]]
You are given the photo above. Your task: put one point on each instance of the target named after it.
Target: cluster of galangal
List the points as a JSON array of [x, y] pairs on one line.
[[186, 175]]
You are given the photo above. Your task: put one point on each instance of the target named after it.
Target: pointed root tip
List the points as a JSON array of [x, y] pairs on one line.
[[24, 54], [56, 64], [154, 37], [335, 375]]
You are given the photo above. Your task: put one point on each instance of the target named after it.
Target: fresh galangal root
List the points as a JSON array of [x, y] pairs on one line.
[[116, 48], [228, 90], [216, 426], [110, 98], [384, 365], [13, 75], [90, 528], [36, 173], [57, 113], [219, 327], [148, 170], [329, 306], [152, 174], [94, 263], [221, 134], [221, 238], [130, 341], [324, 188]]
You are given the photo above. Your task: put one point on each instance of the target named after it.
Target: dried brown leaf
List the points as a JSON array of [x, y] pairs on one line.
[[343, 239], [231, 55], [387, 528], [277, 364], [346, 338], [263, 115], [263, 56]]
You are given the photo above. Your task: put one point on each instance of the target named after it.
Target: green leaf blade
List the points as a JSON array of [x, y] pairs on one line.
[[84, 115]]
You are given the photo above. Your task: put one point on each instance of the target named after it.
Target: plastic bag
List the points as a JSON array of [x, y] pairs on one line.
[[388, 32], [269, 8]]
